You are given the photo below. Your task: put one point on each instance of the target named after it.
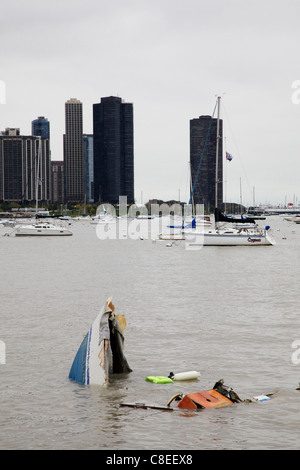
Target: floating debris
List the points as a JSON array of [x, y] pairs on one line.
[[219, 396]]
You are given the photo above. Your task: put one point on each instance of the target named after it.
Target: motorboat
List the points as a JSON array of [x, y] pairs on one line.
[[41, 229]]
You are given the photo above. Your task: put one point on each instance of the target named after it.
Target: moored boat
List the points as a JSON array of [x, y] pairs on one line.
[[41, 229], [226, 235], [240, 232]]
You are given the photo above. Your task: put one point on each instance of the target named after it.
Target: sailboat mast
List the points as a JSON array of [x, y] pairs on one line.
[[37, 178], [217, 153], [191, 189]]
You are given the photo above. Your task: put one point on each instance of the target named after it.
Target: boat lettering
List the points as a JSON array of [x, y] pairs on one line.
[[254, 240]]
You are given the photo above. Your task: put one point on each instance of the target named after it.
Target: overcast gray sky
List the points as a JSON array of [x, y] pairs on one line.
[[170, 59]]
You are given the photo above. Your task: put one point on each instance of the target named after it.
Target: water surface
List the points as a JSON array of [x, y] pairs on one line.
[[229, 312]]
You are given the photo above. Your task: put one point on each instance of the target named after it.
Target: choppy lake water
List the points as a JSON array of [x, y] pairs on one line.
[[229, 312]]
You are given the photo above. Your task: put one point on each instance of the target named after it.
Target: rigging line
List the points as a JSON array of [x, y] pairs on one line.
[[197, 174]]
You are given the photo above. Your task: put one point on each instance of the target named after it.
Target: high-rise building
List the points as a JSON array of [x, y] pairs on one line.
[[41, 127], [57, 181], [24, 167], [73, 152], [113, 150], [203, 152], [88, 167]]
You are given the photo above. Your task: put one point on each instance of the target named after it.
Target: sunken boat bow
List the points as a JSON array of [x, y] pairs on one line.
[[101, 353]]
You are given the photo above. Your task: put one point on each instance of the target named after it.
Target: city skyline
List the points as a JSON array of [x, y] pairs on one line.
[[288, 198], [158, 57], [41, 127], [105, 157]]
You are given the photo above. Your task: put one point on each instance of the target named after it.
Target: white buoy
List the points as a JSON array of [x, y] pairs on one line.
[[191, 375]]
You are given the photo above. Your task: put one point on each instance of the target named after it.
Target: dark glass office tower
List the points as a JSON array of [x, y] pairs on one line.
[[113, 150], [41, 127], [204, 192], [73, 152], [88, 167], [58, 183]]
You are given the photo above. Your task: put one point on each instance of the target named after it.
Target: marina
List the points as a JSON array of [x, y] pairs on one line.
[[228, 312]]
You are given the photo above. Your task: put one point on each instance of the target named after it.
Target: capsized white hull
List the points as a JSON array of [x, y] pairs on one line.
[[101, 351], [229, 238]]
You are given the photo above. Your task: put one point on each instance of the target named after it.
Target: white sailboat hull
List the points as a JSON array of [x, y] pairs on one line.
[[228, 238]]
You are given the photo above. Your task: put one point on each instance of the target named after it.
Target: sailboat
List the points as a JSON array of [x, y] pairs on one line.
[[44, 228], [227, 231]]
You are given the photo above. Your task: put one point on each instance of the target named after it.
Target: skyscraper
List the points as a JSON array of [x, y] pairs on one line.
[[113, 150], [204, 192], [73, 154], [88, 167], [58, 186], [25, 167], [41, 127]]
